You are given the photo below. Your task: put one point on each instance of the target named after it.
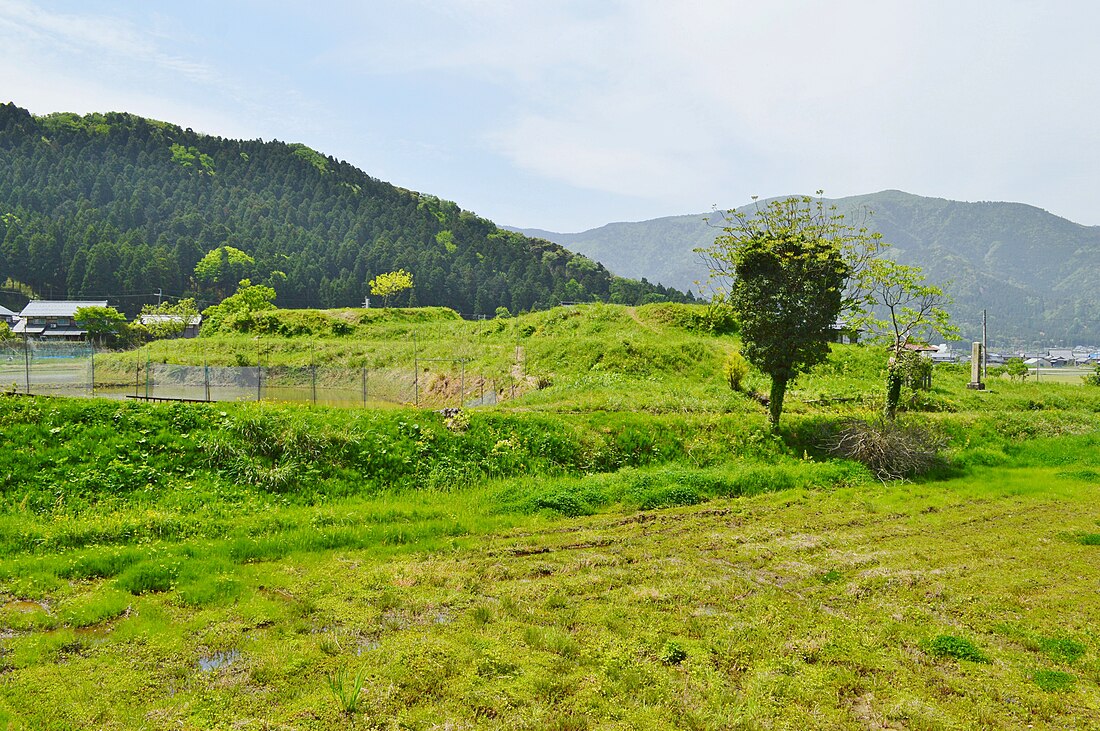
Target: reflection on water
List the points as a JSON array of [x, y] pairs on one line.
[[218, 660]]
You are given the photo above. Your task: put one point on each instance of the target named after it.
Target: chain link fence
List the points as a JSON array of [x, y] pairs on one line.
[[47, 368], [74, 369]]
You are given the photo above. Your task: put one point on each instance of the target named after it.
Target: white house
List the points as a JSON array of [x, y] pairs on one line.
[[53, 320]]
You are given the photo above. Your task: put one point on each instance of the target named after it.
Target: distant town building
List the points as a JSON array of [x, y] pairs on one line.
[[8, 316]]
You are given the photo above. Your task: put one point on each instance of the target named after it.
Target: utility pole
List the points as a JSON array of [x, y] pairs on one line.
[[985, 345], [159, 293]]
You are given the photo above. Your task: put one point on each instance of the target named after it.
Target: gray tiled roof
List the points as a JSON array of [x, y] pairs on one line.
[[58, 308], [5, 312]]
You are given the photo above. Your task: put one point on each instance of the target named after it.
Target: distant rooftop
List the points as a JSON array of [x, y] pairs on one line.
[[57, 308], [5, 312]]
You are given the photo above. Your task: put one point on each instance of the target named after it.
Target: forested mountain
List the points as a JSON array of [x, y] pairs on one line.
[[116, 206], [1038, 275]]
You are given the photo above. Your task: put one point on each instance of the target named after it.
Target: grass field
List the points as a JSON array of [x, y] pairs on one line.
[[623, 546]]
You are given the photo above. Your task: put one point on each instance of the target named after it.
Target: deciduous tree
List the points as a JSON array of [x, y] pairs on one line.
[[899, 308], [223, 267], [388, 284], [785, 269], [105, 325]]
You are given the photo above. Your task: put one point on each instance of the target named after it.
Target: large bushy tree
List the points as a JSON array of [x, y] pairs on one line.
[[784, 272]]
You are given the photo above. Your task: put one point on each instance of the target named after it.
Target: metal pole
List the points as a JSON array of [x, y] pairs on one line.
[[92, 361], [259, 373], [313, 369], [147, 362], [985, 358], [27, 362], [206, 377], [416, 373], [462, 388], [363, 376]]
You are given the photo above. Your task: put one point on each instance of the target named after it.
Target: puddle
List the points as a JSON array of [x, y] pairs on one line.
[[366, 646], [26, 606], [218, 660]]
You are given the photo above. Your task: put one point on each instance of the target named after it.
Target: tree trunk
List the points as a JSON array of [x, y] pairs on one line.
[[775, 405], [893, 391]]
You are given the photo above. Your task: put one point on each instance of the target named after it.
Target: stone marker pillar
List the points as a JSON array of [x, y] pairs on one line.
[[976, 368]]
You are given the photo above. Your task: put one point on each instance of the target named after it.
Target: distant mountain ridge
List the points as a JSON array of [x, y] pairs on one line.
[[1037, 274]]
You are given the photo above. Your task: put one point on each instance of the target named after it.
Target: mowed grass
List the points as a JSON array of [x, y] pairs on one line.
[[805, 608]]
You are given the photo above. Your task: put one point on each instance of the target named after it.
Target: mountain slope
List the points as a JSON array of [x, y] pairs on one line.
[[117, 206], [1036, 273]]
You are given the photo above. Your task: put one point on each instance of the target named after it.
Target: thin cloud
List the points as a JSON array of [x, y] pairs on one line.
[[96, 34]]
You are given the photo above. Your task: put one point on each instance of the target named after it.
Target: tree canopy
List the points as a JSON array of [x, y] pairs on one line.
[[388, 284], [105, 325], [784, 272], [238, 306], [168, 319], [223, 267]]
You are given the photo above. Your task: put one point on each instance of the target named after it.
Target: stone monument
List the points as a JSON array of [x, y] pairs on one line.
[[976, 368]]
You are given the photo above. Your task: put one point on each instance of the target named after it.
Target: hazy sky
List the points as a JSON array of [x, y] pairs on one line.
[[568, 115]]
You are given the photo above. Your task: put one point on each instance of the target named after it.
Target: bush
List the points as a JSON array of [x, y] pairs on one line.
[[736, 370], [892, 451]]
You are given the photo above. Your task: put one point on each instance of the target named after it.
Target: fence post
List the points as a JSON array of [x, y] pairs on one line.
[[462, 388], [313, 369], [259, 374], [206, 377], [147, 364], [92, 361], [416, 373], [27, 362], [363, 375]]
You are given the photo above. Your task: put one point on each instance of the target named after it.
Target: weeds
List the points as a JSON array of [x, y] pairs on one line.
[[347, 689], [955, 647], [1054, 681]]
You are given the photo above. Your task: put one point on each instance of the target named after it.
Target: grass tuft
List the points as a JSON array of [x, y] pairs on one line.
[[1054, 681], [955, 647], [346, 689]]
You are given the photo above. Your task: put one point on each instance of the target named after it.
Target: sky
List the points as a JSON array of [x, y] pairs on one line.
[[566, 115]]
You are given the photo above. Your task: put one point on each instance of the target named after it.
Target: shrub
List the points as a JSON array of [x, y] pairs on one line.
[[736, 369], [891, 450]]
